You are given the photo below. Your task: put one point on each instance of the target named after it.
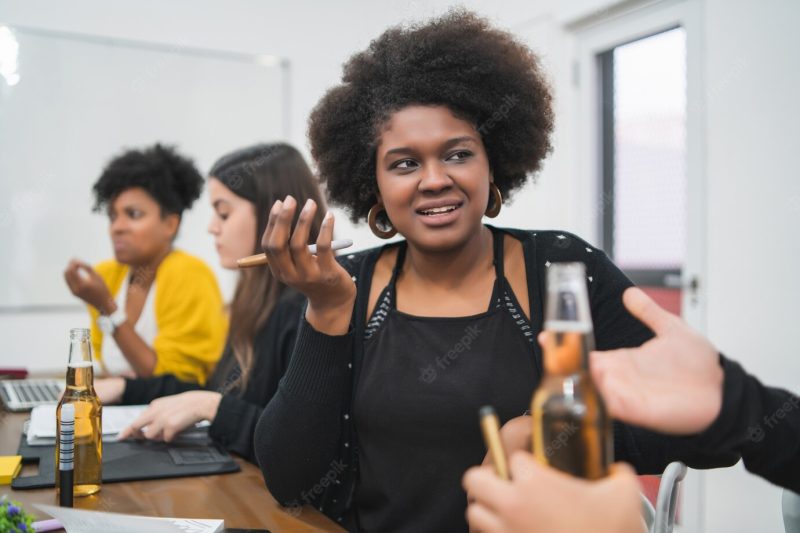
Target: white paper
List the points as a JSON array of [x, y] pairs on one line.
[[80, 521], [41, 429], [115, 419]]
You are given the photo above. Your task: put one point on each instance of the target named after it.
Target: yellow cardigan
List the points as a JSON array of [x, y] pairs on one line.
[[189, 313]]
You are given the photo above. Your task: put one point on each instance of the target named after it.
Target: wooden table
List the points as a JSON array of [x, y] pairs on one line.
[[241, 499]]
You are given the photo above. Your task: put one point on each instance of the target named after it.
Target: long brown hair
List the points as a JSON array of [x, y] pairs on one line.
[[262, 174]]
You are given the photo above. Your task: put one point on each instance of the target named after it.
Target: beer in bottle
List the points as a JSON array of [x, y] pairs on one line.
[[571, 428], [88, 442]]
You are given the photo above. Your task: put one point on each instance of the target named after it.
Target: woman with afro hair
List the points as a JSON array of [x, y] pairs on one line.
[[155, 310], [433, 127]]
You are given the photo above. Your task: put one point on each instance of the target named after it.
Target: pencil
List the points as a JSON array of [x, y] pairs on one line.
[[261, 259], [490, 426]]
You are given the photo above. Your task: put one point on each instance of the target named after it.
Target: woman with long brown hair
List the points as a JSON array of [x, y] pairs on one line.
[[263, 314]]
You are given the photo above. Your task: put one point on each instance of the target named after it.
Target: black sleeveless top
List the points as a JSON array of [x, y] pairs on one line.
[[432, 375]]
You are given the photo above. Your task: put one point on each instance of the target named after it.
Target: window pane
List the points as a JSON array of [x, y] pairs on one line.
[[650, 152]]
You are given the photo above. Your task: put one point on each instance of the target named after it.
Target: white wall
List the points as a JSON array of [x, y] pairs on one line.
[[753, 79], [753, 206]]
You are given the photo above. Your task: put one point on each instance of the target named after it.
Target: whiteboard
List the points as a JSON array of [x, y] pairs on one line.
[[78, 101]]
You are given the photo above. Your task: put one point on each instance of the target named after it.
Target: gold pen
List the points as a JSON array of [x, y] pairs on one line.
[[490, 426], [261, 259]]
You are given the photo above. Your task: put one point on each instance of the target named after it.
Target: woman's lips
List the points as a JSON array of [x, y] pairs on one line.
[[434, 218]]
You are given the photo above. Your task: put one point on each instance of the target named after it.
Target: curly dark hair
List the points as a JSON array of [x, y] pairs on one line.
[[482, 74], [170, 178]]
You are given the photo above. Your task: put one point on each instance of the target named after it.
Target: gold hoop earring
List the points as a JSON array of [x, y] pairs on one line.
[[372, 219], [493, 209]]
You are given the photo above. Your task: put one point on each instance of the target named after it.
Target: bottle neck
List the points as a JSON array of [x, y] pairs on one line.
[[80, 375], [80, 352], [568, 320]]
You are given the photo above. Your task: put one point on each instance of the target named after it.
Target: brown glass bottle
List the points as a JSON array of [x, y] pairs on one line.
[[88, 442], [571, 427]]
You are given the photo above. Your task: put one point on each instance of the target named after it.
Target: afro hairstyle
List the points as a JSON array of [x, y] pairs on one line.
[[170, 178], [482, 74]]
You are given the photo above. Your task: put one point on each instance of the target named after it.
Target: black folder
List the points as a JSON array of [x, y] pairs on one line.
[[133, 460]]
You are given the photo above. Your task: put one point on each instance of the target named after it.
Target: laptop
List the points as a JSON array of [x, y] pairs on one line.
[[25, 394]]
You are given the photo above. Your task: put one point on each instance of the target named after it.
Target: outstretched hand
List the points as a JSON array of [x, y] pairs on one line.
[[672, 383]]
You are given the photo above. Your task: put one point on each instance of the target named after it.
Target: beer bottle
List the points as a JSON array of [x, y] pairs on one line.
[[88, 442], [571, 427]]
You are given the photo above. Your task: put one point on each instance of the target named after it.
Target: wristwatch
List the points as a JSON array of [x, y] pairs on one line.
[[109, 324]]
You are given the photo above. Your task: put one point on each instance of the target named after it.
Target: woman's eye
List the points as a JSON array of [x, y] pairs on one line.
[[404, 164], [223, 216], [134, 214], [459, 156]]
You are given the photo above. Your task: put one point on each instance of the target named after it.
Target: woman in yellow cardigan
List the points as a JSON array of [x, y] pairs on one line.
[[154, 309]]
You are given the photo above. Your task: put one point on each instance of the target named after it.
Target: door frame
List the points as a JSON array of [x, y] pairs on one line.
[[588, 38]]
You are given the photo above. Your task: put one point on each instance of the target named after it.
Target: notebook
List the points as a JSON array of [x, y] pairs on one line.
[[78, 520], [41, 429], [134, 460]]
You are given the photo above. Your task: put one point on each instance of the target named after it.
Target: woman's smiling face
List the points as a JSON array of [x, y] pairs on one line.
[[433, 176]]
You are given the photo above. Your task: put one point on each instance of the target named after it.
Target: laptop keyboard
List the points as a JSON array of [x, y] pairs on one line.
[[23, 394]]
